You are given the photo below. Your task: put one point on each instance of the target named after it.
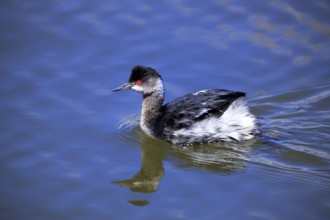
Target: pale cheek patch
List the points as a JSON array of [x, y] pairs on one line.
[[137, 88]]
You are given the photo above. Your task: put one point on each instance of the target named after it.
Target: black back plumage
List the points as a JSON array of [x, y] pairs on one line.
[[194, 107]]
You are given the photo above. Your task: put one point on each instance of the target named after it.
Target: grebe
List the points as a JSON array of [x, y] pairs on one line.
[[206, 116]]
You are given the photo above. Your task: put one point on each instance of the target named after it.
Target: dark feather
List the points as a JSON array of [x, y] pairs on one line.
[[194, 107]]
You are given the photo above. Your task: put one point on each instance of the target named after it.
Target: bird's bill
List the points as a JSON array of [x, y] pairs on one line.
[[126, 86]]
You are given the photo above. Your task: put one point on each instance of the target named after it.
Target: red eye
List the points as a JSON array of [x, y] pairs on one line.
[[138, 82]]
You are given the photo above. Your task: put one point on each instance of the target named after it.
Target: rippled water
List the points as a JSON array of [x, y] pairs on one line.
[[70, 149]]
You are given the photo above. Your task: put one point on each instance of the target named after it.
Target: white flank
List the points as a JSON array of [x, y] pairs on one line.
[[236, 122]]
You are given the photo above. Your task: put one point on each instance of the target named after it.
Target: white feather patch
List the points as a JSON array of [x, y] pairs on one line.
[[236, 122]]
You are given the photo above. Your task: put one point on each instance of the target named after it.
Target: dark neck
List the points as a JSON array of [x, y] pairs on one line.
[[151, 107]]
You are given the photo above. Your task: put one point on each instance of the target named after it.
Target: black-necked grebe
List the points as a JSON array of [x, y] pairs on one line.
[[205, 116]]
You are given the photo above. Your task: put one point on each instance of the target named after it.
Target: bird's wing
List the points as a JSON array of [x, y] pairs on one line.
[[193, 107]]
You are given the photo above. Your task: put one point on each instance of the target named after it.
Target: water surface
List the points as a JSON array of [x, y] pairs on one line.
[[70, 149]]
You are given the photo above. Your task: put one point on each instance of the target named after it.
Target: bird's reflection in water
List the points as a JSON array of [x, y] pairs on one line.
[[225, 158], [148, 178]]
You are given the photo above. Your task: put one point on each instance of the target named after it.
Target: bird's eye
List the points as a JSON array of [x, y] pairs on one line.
[[138, 82]]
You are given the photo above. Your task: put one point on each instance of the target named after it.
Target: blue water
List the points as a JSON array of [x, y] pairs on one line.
[[71, 149]]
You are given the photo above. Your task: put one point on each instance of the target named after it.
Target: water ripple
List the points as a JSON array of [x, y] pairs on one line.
[[128, 129]]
